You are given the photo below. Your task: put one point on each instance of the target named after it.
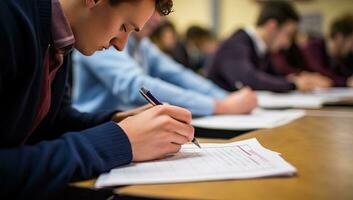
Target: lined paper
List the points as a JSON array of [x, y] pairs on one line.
[[237, 160]]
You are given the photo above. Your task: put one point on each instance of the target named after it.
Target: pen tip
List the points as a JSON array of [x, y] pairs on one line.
[[196, 143]]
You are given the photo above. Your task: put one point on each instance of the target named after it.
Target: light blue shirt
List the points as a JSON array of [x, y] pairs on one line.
[[111, 80]]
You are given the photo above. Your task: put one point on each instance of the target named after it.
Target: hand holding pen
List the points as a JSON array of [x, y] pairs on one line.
[[154, 101]]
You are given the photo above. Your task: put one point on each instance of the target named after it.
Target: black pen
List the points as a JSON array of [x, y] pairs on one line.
[[154, 101]]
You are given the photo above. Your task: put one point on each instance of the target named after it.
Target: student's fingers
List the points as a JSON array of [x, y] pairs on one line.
[[172, 148], [246, 89], [175, 112], [178, 127], [172, 125], [178, 139]]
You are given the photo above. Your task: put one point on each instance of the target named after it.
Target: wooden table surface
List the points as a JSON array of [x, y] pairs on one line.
[[320, 147]]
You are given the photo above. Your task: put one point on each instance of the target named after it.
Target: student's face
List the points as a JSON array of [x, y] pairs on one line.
[[168, 38], [282, 36], [346, 45], [102, 25]]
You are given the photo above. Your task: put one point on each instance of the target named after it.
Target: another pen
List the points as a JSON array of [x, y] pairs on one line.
[[154, 101]]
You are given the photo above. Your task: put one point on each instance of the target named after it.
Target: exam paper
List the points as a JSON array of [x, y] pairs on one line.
[[237, 160], [257, 119]]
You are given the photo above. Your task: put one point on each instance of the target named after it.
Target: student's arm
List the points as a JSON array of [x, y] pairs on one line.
[[235, 65], [162, 66], [123, 77], [314, 57], [47, 167]]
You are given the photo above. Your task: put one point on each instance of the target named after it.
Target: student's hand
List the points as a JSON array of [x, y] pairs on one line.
[[350, 82], [158, 131], [320, 81], [119, 116], [306, 82], [240, 102], [302, 83]]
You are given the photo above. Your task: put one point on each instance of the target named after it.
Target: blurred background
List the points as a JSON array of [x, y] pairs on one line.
[[225, 16]]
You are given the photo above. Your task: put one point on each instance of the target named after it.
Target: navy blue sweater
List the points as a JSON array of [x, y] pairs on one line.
[[67, 145]]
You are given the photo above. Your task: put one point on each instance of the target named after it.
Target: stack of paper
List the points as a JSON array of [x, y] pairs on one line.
[[257, 119], [237, 160]]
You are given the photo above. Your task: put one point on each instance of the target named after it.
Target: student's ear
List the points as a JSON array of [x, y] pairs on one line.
[[91, 3]]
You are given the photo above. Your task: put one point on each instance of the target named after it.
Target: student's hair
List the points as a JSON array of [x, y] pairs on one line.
[[165, 25], [342, 25], [280, 11], [163, 7], [197, 32], [198, 35]]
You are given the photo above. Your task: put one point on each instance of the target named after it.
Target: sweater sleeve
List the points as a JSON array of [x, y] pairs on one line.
[[63, 117], [45, 168]]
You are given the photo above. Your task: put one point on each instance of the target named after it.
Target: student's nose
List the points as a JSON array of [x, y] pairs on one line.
[[119, 42]]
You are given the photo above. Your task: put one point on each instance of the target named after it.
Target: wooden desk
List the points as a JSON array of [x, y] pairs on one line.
[[321, 148]]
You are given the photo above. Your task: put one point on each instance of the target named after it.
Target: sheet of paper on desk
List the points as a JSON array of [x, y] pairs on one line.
[[238, 160], [257, 119], [337, 92], [293, 100]]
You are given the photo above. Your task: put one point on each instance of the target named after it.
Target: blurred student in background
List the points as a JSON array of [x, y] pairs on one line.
[[244, 57], [332, 57], [165, 37], [112, 80], [197, 46], [292, 62]]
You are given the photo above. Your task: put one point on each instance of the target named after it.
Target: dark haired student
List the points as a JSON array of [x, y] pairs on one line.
[[333, 56], [44, 143], [244, 57]]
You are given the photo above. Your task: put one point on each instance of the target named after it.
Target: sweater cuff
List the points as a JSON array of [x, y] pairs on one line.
[[112, 144], [292, 86]]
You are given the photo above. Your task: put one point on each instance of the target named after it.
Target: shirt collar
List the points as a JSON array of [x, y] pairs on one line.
[[260, 45], [62, 35]]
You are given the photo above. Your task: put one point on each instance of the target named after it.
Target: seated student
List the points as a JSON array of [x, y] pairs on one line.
[[292, 62], [44, 143], [108, 80], [244, 57], [330, 57], [165, 37], [199, 44]]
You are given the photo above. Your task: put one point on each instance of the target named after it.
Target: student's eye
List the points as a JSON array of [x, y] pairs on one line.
[[123, 28]]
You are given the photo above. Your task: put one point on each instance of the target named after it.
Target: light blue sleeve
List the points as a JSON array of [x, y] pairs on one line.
[[162, 66], [123, 77]]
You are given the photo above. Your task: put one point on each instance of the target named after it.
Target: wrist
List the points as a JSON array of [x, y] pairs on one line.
[[218, 107], [119, 116]]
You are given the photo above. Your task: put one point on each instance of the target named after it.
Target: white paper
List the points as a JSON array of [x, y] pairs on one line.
[[237, 160], [335, 93], [257, 119], [294, 100]]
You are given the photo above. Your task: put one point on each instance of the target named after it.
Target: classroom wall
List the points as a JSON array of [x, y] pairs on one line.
[[239, 13], [190, 12]]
